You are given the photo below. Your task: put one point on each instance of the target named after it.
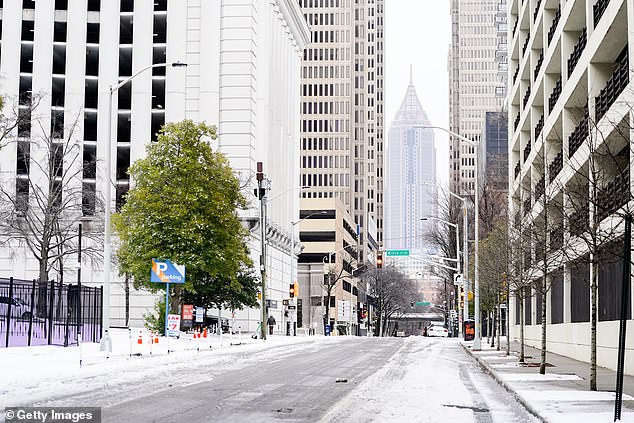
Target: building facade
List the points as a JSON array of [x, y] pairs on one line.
[[328, 235], [411, 176], [243, 65], [477, 80], [342, 111], [570, 156]]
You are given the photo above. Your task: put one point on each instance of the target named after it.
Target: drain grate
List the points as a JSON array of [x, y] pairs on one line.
[[468, 407]]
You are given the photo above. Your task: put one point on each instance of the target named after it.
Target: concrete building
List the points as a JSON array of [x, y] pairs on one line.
[[495, 138], [243, 72], [342, 111], [477, 80], [330, 242], [570, 121], [411, 177]]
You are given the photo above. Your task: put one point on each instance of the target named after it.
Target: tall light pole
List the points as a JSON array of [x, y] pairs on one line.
[[476, 294], [105, 343], [465, 249], [457, 269]]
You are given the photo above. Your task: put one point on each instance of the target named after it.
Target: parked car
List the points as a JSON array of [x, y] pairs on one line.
[[437, 329], [19, 308]]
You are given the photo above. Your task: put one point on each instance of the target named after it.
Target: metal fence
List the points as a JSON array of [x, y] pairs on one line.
[[48, 313]]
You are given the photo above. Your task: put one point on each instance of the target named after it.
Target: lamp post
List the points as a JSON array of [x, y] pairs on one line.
[[457, 269], [293, 269], [476, 297], [465, 249], [105, 343]]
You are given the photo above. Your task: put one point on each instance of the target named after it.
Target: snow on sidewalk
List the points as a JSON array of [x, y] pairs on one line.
[[555, 397]]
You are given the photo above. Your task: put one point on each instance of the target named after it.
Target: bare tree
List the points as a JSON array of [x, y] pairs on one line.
[[15, 115], [41, 206], [596, 197], [392, 292]]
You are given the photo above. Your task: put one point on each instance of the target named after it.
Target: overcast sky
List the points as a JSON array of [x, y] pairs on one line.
[[418, 32]]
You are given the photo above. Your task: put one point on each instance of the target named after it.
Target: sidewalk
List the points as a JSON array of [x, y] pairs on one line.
[[563, 394]]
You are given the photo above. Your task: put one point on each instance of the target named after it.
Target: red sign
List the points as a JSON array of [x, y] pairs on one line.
[[188, 312]]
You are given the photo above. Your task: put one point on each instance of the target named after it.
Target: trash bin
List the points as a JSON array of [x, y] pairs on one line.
[[469, 330], [327, 330]]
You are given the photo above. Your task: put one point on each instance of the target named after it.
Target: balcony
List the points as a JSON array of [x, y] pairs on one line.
[[528, 37], [613, 87], [536, 11], [517, 70], [527, 151], [516, 121], [555, 167], [540, 187], [578, 136], [614, 195], [598, 9], [553, 26], [527, 206], [517, 169], [576, 51], [514, 27], [540, 60], [579, 220], [527, 95], [539, 126], [554, 95], [556, 238]]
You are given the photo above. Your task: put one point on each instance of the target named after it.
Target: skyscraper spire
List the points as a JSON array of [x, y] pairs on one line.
[[411, 75]]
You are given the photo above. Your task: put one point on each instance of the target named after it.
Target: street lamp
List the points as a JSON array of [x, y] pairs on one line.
[[465, 247], [476, 297], [105, 343]]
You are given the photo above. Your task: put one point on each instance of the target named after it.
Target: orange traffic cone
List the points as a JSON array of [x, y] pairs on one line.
[[197, 334], [205, 333], [140, 338], [156, 341]]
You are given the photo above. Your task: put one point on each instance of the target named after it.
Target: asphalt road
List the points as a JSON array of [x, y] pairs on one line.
[[298, 388], [336, 381]]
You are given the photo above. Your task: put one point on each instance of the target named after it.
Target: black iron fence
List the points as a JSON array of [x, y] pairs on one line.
[[48, 313]]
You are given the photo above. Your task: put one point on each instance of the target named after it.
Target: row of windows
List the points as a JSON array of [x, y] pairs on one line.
[[326, 180], [322, 54], [324, 3], [309, 72], [326, 125], [326, 107], [325, 143], [326, 162]]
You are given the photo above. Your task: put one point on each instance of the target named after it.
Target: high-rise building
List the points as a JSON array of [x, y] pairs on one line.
[[243, 65], [342, 112], [570, 165], [411, 176], [477, 80]]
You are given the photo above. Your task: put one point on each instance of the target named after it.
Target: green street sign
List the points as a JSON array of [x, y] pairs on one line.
[[422, 303], [392, 253]]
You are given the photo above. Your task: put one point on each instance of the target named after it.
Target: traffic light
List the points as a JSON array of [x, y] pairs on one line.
[[291, 290], [379, 260], [296, 289]]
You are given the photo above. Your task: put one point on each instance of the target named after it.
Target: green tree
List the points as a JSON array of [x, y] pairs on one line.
[[184, 207]]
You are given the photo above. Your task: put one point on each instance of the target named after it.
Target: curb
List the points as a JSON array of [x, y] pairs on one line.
[[487, 369]]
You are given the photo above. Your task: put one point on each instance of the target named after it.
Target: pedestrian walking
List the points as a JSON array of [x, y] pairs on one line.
[[271, 322]]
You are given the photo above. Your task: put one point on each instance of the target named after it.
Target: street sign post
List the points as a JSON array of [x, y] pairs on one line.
[[166, 272], [173, 325], [397, 253]]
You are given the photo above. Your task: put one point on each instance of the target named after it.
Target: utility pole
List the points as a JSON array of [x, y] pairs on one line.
[[261, 194]]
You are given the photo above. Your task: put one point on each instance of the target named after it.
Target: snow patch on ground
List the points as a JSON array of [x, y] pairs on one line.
[[569, 395], [532, 377]]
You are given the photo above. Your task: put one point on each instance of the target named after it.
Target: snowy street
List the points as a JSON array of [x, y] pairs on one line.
[[292, 379]]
